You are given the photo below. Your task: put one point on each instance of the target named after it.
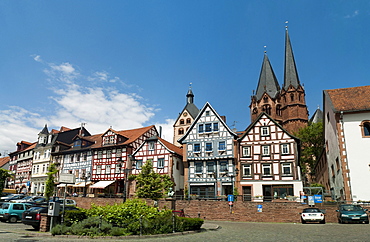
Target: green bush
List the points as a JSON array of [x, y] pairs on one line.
[[60, 229], [74, 216], [187, 224]]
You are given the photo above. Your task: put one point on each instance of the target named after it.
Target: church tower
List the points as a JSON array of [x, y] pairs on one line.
[[185, 118], [287, 106], [294, 109], [267, 96]]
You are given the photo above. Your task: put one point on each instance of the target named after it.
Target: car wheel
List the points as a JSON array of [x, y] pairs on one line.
[[303, 222], [366, 222], [322, 222], [13, 219]]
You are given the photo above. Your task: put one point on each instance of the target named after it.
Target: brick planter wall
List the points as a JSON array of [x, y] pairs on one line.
[[281, 212]]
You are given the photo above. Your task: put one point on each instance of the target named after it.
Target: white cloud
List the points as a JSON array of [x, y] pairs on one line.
[[354, 14]]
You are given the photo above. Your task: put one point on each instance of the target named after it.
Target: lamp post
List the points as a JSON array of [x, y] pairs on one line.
[[21, 178], [126, 170], [85, 177]]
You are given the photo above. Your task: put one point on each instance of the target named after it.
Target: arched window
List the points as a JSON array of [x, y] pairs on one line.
[[182, 121], [265, 99], [181, 131], [292, 97], [278, 110], [365, 128], [188, 120], [267, 109]]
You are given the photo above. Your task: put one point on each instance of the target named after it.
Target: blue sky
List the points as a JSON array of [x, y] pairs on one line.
[[128, 64]]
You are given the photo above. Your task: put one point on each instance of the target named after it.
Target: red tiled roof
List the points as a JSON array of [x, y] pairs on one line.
[[350, 99], [171, 146], [4, 160]]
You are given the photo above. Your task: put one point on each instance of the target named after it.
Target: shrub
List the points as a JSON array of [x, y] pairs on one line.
[[74, 216], [92, 226], [186, 224], [60, 229]]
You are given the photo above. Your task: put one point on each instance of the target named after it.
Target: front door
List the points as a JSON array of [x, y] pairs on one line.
[[267, 193], [247, 193]]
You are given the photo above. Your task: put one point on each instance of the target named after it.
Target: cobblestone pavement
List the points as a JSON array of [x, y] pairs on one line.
[[217, 231]]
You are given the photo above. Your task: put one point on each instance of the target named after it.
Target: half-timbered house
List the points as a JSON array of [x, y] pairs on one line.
[[269, 162], [166, 158], [111, 157], [209, 156]]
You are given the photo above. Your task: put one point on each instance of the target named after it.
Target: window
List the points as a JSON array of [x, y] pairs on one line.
[[160, 163], [266, 169], [107, 169], [207, 113], [139, 164], [365, 129], [285, 149], [265, 131], [100, 154], [181, 131], [188, 120], [98, 169], [210, 167], [246, 151], [215, 127], [267, 109], [247, 170], [118, 153], [208, 127], [222, 145], [265, 150], [286, 168], [198, 167], [200, 128], [223, 166], [109, 154], [196, 147], [182, 121], [208, 147], [151, 145]]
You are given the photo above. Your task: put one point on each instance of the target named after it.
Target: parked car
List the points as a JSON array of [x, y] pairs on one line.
[[28, 199], [12, 197], [312, 215], [352, 213], [12, 212], [32, 216], [69, 202]]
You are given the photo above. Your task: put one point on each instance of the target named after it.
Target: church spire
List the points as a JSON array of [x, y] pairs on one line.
[[290, 69], [267, 82], [190, 95]]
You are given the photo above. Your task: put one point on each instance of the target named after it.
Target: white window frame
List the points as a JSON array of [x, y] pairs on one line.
[[247, 167], [247, 151], [286, 165], [285, 149], [151, 145], [160, 163], [139, 164], [107, 169], [268, 166], [224, 145], [265, 150], [265, 131], [197, 151]]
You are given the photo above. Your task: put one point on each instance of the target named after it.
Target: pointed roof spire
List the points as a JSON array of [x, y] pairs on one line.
[[45, 130], [267, 81], [190, 95], [290, 69]]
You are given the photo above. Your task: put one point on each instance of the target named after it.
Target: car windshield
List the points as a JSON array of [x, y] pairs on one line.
[[351, 208], [26, 198], [311, 210]]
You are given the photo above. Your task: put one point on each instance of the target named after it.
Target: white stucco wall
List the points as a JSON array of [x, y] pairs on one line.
[[357, 155]]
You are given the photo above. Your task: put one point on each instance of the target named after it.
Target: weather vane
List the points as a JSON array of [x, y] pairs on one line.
[[286, 24], [265, 48]]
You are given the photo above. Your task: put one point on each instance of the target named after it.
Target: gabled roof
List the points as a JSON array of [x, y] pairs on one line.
[[290, 69], [267, 82], [4, 160], [134, 134], [273, 120], [169, 146], [190, 106], [45, 130], [200, 115], [351, 99], [318, 116]]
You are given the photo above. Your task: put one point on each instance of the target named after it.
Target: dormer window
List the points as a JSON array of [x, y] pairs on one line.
[[151, 145], [207, 113]]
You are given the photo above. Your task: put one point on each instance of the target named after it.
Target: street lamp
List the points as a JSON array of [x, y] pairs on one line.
[[21, 178], [85, 177]]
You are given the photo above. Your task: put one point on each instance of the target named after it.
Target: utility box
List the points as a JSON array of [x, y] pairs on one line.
[[54, 209]]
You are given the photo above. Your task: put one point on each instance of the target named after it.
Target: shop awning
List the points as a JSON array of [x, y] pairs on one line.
[[63, 185], [101, 184], [82, 184]]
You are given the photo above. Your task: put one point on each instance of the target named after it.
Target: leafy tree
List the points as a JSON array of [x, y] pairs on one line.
[[4, 174], [151, 184], [50, 182], [312, 144]]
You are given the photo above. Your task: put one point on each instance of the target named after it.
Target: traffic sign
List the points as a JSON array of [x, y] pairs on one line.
[[230, 203]]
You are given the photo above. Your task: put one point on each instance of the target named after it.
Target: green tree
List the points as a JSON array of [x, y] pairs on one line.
[[152, 185], [312, 145], [4, 174], [50, 182]]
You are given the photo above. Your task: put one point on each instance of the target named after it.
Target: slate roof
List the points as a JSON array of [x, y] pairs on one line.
[[290, 69], [349, 99], [267, 81]]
